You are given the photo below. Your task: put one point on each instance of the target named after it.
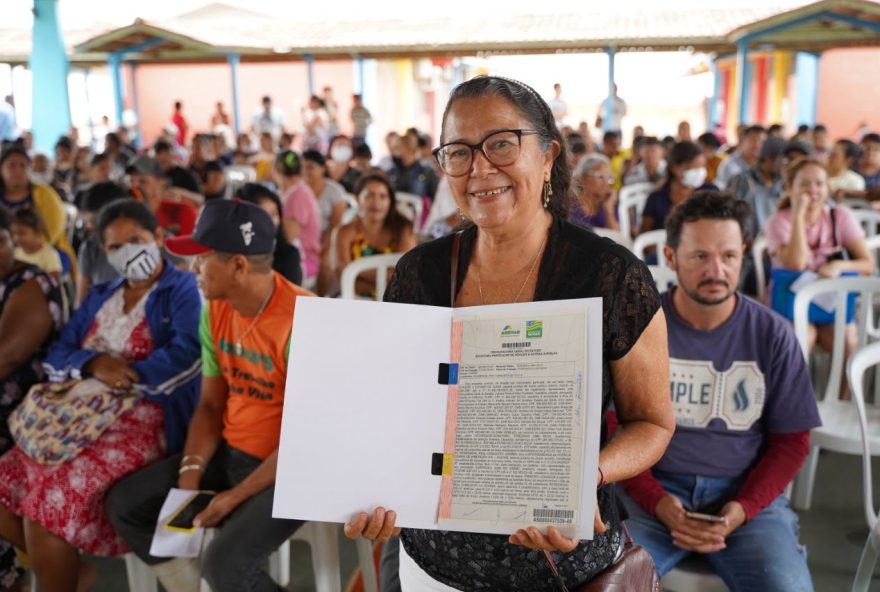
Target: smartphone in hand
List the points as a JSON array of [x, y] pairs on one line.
[[705, 517], [182, 520]]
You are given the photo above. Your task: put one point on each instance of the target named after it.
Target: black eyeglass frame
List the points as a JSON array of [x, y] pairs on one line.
[[474, 147]]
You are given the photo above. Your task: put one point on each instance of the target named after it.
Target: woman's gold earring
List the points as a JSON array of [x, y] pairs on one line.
[[546, 193]]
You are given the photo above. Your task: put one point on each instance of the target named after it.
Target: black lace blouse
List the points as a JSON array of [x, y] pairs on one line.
[[576, 264]]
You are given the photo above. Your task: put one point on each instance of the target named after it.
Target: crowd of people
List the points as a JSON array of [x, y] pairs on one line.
[[159, 284]]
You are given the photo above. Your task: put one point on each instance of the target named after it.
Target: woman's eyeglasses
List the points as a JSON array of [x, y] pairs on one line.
[[500, 148]]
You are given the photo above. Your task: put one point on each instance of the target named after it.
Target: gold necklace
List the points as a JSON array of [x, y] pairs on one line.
[[238, 348], [519, 292]]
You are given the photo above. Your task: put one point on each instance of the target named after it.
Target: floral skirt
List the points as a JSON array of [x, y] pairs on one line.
[[68, 499]]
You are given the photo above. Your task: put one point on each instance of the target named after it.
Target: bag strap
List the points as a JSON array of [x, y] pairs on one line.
[[834, 226], [456, 247]]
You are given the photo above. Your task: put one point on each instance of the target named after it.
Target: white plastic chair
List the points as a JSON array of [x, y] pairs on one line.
[[693, 574], [869, 420], [616, 236], [839, 418], [873, 245], [412, 206], [870, 221], [632, 197], [855, 203], [378, 263], [237, 176], [652, 238], [865, 571], [323, 538], [759, 249], [663, 277]]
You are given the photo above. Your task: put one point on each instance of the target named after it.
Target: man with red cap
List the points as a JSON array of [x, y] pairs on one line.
[[232, 442]]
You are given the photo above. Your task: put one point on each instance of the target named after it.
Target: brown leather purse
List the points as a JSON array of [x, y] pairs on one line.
[[634, 570]]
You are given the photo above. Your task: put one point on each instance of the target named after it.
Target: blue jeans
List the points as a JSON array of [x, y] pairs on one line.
[[762, 554]]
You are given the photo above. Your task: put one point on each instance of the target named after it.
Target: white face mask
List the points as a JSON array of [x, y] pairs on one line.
[[341, 153], [694, 178], [135, 262]]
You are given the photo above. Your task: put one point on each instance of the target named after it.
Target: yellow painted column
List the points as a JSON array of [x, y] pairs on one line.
[[781, 65], [732, 102]]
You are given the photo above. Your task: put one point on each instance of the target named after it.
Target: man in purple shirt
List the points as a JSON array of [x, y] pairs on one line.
[[744, 407]]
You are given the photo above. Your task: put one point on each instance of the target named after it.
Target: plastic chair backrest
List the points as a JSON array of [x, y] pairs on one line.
[[865, 571], [653, 238], [411, 206], [616, 236], [866, 288], [632, 197], [380, 263], [855, 203], [759, 248], [352, 211], [859, 364], [870, 221], [663, 277], [873, 245]]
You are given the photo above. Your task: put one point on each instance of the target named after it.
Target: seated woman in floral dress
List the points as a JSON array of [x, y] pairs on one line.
[[138, 332]]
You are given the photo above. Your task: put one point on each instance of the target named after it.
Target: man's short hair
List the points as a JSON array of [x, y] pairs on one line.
[[260, 263], [871, 137], [754, 129], [649, 141], [707, 204], [803, 128], [820, 128], [775, 128], [709, 139], [100, 194], [99, 158], [363, 151], [610, 135], [162, 146]]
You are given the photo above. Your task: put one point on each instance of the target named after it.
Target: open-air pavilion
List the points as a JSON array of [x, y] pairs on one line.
[[753, 49]]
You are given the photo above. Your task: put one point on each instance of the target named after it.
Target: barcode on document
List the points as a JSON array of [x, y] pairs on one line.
[[517, 344], [559, 516]]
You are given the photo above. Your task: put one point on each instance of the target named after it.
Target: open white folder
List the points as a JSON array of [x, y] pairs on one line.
[[365, 413]]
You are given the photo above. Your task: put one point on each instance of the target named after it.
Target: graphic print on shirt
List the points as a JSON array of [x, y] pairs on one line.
[[700, 394]]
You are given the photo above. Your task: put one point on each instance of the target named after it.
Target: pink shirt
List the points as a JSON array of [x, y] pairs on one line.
[[819, 239], [300, 205]]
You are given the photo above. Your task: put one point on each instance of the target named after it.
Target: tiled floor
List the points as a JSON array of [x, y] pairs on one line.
[[834, 531]]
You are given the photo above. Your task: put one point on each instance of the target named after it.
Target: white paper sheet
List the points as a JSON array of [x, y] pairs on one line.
[[364, 412], [170, 543]]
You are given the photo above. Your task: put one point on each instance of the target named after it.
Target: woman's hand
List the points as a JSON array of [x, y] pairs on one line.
[[799, 203], [532, 538], [112, 371], [378, 527]]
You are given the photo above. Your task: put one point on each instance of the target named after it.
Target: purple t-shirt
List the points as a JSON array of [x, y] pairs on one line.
[[730, 387]]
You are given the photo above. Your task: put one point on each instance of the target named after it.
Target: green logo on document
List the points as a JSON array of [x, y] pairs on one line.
[[509, 331], [534, 329]]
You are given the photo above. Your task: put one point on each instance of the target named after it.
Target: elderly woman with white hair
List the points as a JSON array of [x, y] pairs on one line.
[[596, 203]]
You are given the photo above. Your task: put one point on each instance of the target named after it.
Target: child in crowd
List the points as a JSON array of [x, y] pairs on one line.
[[29, 236]]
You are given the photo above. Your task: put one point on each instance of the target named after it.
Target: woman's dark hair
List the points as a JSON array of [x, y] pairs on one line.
[[536, 111], [10, 149], [680, 153], [707, 204], [5, 220], [64, 142], [394, 221], [28, 217], [255, 193], [100, 194], [289, 163], [130, 209], [851, 151], [333, 140]]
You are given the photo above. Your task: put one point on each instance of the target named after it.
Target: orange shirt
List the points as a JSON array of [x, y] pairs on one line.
[[256, 375]]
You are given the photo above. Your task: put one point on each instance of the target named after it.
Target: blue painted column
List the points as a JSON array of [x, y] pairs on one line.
[[807, 72], [712, 118], [114, 61], [234, 60], [310, 74], [744, 79], [360, 70], [48, 65], [609, 103], [138, 140]]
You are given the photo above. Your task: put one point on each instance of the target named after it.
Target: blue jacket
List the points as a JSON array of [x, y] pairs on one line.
[[171, 375]]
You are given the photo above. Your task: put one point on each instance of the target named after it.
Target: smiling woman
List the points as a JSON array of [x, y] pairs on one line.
[[507, 170]]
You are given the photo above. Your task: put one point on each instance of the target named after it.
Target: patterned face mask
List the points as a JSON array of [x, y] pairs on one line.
[[135, 262]]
